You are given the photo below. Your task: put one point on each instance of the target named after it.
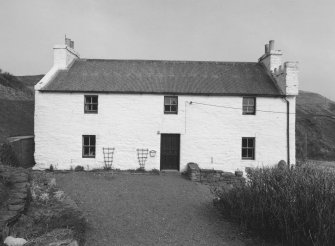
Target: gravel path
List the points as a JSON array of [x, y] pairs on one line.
[[161, 209]]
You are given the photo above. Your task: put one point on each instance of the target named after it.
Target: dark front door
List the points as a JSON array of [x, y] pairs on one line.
[[170, 150]]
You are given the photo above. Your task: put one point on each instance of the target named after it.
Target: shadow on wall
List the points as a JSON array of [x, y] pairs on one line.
[[18, 151]]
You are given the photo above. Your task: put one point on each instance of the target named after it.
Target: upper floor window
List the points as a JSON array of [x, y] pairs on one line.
[[91, 104], [249, 105], [170, 105], [88, 146], [248, 148]]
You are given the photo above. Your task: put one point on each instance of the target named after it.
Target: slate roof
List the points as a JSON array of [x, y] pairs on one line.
[[164, 77]]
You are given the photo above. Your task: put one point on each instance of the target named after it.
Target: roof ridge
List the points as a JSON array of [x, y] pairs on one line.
[[167, 61]]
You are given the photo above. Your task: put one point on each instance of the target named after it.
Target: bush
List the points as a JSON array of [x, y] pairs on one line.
[[155, 171], [78, 168], [51, 168], [295, 206], [140, 170]]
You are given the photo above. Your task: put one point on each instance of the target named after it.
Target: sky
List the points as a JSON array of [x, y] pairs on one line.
[[202, 30]]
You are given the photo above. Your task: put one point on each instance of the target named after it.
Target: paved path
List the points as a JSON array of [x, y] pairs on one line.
[[162, 209]]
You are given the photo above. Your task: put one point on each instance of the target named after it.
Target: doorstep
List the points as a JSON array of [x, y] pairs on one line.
[[170, 171]]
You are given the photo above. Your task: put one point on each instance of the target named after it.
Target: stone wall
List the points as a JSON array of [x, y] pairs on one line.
[[16, 180], [196, 174]]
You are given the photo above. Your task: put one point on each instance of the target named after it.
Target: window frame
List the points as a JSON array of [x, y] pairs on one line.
[[170, 105], [91, 103], [247, 148], [89, 146], [254, 106]]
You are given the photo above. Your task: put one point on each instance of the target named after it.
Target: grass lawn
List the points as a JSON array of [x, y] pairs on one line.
[[166, 209]]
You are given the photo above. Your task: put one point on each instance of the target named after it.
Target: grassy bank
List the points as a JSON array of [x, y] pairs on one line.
[[295, 206]]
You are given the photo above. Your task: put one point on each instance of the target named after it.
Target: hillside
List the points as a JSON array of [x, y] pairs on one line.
[[30, 80], [12, 88], [314, 125], [17, 107]]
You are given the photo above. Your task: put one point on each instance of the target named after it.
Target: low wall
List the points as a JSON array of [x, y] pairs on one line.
[[23, 147], [17, 182], [197, 174]]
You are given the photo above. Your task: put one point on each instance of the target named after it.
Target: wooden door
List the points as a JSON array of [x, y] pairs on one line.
[[170, 151]]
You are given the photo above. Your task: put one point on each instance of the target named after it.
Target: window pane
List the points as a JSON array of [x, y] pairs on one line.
[[95, 99], [250, 109], [174, 108], [244, 153], [251, 153], [244, 142], [92, 140], [95, 107], [167, 108], [87, 107], [92, 151], [174, 100], [86, 150], [166, 100], [251, 101], [86, 140], [250, 142]]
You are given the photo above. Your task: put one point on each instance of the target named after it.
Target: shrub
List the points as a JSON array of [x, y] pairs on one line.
[[295, 206], [140, 170], [78, 168], [155, 171], [51, 168]]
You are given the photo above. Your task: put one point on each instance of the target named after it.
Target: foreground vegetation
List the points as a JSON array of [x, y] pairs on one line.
[[295, 206]]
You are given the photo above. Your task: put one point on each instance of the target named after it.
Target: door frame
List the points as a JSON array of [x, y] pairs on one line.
[[161, 155]]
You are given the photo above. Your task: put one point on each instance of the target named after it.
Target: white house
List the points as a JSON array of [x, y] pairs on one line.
[[221, 115]]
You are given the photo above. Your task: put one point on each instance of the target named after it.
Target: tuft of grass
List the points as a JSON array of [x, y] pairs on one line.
[[293, 205]]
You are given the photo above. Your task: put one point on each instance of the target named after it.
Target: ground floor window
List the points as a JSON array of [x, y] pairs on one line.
[[88, 146], [248, 148]]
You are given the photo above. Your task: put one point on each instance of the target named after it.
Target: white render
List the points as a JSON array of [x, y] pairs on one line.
[[210, 136]]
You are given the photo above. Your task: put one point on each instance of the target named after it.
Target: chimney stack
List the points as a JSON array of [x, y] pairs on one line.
[[285, 75], [272, 58], [65, 54]]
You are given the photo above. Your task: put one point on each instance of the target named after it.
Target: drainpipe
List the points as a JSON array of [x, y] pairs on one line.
[[288, 130]]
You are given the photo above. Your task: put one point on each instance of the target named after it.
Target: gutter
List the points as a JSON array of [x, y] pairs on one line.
[[288, 130]]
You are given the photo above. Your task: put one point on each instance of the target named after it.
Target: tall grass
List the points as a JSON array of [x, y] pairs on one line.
[[295, 206]]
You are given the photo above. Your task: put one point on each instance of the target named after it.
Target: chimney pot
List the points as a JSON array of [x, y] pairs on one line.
[[266, 48], [67, 42], [72, 44], [272, 45]]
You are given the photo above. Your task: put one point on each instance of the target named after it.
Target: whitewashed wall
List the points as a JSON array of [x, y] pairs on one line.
[[210, 136]]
